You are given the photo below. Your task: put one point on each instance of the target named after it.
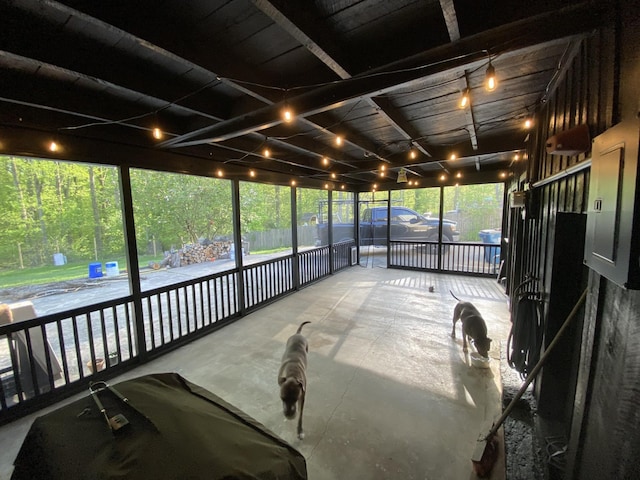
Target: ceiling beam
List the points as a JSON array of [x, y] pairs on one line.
[[291, 18], [514, 36], [451, 19]]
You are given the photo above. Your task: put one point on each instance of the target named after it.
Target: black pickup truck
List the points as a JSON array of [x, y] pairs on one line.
[[406, 225]]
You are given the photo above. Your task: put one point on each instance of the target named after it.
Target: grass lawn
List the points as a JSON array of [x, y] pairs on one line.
[[51, 274]]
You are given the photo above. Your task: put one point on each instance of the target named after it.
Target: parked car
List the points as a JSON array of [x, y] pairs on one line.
[[405, 225]]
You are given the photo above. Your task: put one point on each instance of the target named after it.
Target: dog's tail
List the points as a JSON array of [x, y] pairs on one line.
[[454, 296], [302, 325]]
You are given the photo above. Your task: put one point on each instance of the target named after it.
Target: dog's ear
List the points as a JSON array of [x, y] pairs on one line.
[[281, 380]]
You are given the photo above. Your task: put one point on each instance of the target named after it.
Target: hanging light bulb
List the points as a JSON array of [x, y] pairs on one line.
[[266, 152], [528, 123], [464, 100], [412, 154], [325, 161], [293, 183], [252, 173], [157, 133], [490, 78], [453, 156], [53, 147], [287, 113], [339, 140]]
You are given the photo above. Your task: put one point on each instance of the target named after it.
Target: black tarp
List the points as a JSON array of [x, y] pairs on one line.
[[177, 430]]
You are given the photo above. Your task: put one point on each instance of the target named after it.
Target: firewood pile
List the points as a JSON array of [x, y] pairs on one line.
[[194, 253]]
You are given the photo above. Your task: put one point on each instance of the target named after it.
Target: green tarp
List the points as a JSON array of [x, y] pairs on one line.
[[177, 430]]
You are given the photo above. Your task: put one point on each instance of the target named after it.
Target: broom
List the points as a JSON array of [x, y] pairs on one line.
[[486, 450]]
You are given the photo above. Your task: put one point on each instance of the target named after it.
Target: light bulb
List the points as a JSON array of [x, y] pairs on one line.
[[464, 100], [490, 78], [287, 114], [157, 133]]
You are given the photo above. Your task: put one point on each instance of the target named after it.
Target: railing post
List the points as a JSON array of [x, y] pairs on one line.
[[132, 260], [330, 230], [294, 240], [237, 240]]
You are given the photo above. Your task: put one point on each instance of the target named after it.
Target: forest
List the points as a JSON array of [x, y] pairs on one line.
[[71, 208]]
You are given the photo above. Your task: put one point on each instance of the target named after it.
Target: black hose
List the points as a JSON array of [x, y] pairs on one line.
[[525, 338]]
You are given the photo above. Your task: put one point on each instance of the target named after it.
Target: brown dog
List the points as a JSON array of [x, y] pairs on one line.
[[292, 377], [473, 326]]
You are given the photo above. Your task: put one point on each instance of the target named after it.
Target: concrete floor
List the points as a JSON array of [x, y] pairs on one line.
[[390, 394]]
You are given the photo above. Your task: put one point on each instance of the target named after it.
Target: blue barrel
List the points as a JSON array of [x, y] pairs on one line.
[[491, 254], [95, 270]]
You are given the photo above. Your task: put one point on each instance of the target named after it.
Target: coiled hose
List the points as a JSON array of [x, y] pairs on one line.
[[525, 338]]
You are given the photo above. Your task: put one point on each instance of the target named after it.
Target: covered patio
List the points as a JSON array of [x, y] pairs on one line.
[[390, 393]]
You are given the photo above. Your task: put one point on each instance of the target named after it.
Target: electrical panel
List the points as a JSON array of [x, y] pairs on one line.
[[612, 246]]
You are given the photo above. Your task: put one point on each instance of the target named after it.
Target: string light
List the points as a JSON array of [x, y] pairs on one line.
[[464, 100], [266, 152], [293, 183], [333, 175], [219, 173], [412, 154], [443, 177], [453, 156], [528, 123], [490, 78], [339, 140], [252, 173], [325, 161], [53, 147], [287, 113], [157, 133]]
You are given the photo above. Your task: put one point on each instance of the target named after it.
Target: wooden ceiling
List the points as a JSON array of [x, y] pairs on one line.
[[386, 76]]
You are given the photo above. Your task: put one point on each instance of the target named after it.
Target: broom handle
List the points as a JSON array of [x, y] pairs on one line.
[[538, 366]]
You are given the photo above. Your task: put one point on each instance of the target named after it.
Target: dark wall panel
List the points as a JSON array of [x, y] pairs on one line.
[[612, 428]]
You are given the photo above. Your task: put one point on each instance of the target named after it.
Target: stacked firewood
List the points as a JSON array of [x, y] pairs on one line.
[[194, 253], [198, 253]]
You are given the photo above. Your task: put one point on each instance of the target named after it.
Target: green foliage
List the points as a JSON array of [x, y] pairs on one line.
[[175, 209], [75, 209]]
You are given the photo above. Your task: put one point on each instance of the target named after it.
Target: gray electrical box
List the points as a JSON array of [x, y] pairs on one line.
[[612, 244]]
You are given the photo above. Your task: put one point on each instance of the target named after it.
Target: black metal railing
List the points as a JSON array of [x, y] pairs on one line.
[[46, 355], [177, 313], [49, 357], [471, 258], [264, 282], [46, 358], [313, 265]]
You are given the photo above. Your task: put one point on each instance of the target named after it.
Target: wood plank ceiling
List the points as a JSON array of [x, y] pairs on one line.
[[214, 75]]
